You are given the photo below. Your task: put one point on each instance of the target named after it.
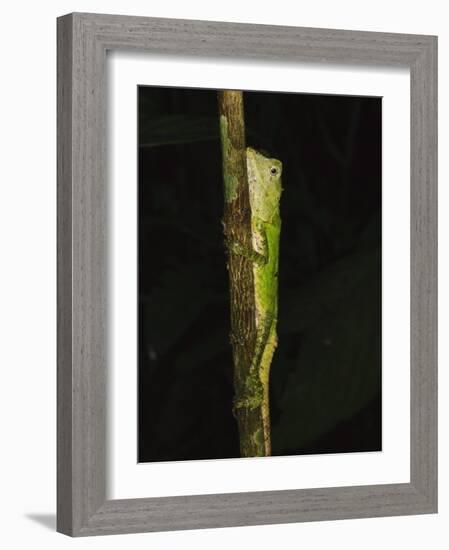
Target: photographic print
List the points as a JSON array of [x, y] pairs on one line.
[[265, 225], [259, 276]]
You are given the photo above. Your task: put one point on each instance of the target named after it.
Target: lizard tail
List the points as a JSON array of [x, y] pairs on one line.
[[265, 379]]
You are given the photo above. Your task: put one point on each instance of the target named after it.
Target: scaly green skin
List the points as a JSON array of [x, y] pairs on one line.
[[264, 179]]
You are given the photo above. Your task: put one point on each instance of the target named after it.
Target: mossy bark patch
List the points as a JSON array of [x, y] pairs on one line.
[[230, 179]]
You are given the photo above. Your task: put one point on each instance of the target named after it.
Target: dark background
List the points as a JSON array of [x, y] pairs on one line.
[[326, 373]]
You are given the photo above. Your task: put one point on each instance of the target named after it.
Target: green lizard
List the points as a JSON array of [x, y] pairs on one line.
[[264, 180]]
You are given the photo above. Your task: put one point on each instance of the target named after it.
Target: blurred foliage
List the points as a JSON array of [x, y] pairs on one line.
[[337, 368], [326, 373], [170, 129]]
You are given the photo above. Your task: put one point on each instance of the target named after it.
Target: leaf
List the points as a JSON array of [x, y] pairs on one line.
[[337, 368], [171, 129], [300, 307]]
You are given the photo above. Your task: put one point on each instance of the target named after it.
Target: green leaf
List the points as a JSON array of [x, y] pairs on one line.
[[337, 369], [326, 291], [157, 130], [171, 129]]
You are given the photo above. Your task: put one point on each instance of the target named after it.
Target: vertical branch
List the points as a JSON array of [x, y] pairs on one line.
[[237, 228]]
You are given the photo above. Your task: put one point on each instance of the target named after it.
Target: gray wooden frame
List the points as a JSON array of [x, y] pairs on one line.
[[83, 40]]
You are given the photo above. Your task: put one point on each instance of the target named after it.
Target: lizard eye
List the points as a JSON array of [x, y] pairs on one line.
[[273, 170]]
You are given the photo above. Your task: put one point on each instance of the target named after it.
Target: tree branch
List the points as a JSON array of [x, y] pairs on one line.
[[237, 228]]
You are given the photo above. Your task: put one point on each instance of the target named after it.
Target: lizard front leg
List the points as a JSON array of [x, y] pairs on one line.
[[236, 247], [258, 251]]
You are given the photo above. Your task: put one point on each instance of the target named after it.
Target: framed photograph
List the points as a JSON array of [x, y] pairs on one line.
[[247, 274]]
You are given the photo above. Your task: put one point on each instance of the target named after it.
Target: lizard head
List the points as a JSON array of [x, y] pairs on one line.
[[265, 188]]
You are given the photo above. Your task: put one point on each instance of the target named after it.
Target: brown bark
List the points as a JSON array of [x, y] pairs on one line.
[[237, 228]]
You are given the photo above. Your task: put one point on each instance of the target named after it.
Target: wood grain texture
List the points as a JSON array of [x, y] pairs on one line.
[[424, 250], [83, 40], [64, 278]]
